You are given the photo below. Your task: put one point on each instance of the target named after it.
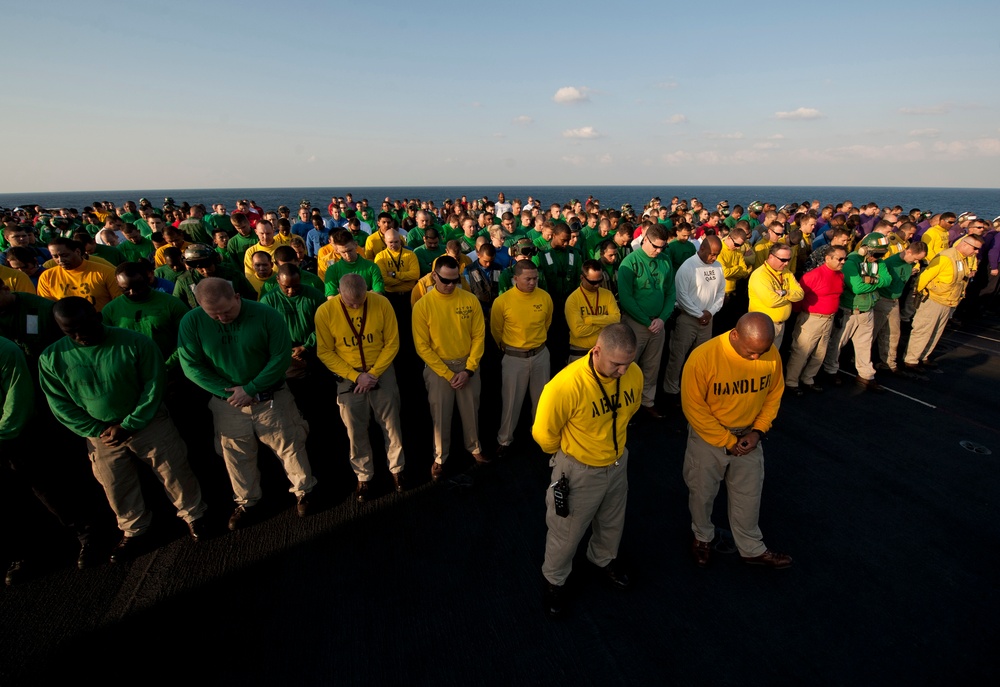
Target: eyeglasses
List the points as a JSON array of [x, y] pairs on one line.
[[777, 233], [656, 246], [738, 245], [445, 280], [594, 282], [782, 260]]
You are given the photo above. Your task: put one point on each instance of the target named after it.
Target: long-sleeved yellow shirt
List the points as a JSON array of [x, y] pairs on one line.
[[374, 244], [734, 267], [588, 313], [574, 416], [449, 327], [339, 348], [764, 285], [325, 257], [944, 278], [721, 390], [400, 271], [936, 239], [521, 319], [257, 248]]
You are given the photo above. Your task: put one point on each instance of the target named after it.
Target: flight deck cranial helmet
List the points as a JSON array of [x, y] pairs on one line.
[[875, 244]]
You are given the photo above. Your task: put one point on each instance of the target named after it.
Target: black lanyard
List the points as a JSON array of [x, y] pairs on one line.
[[614, 406], [358, 334]]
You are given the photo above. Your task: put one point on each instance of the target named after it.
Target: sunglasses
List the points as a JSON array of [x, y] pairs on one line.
[[782, 260], [657, 246], [738, 245], [593, 282], [445, 280]]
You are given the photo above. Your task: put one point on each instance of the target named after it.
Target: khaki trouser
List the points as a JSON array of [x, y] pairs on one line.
[[887, 328], [858, 328], [355, 411], [519, 376], [280, 427], [443, 399], [687, 336], [648, 351], [705, 466], [779, 333], [810, 339], [160, 446], [928, 326], [597, 498]]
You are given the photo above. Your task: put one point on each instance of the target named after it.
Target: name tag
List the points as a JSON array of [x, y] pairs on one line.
[[31, 324]]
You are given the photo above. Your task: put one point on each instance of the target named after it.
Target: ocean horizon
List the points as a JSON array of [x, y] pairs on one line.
[[985, 202]]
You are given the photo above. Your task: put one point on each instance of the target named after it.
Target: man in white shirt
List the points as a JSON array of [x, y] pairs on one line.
[[701, 290]]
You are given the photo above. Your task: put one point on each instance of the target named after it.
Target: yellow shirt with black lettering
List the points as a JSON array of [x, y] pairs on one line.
[[449, 327], [521, 319], [574, 415], [721, 390], [338, 346], [91, 280], [400, 271], [588, 313]]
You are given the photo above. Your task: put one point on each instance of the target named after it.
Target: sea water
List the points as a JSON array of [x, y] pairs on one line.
[[981, 201]]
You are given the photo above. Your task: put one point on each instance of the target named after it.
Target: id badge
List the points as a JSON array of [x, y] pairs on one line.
[[31, 324]]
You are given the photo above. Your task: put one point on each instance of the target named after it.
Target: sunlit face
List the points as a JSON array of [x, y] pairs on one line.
[[156, 223], [265, 233], [779, 260], [748, 348], [446, 279], [348, 251], [591, 280], [224, 310], [263, 267], [835, 260], [393, 242], [527, 281], [132, 235], [609, 256], [66, 258], [290, 285], [432, 242], [613, 363]]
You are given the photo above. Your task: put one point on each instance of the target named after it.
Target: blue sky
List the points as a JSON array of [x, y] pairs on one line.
[[123, 95]]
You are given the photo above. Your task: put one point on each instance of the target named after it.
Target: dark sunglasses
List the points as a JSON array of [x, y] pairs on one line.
[[445, 280]]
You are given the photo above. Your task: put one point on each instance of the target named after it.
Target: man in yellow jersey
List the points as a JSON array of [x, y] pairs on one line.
[[582, 420], [773, 289], [265, 244], [74, 276], [589, 309], [520, 321], [941, 286], [449, 334], [357, 339], [730, 391]]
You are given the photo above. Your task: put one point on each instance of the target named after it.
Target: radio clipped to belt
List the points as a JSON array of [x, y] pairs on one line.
[[560, 496]]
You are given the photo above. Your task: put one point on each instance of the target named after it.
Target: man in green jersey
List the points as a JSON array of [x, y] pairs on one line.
[[238, 351], [107, 384]]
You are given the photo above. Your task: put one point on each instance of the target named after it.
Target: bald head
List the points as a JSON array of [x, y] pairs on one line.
[[352, 289], [213, 290], [753, 335]]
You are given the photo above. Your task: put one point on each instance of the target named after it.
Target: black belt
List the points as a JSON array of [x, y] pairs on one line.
[[268, 391], [531, 353]]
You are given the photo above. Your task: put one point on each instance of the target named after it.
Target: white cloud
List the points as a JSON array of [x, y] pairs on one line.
[[570, 95], [678, 157], [765, 145], [523, 119], [735, 136], [677, 119], [582, 132], [925, 133], [943, 108], [800, 113], [605, 159]]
